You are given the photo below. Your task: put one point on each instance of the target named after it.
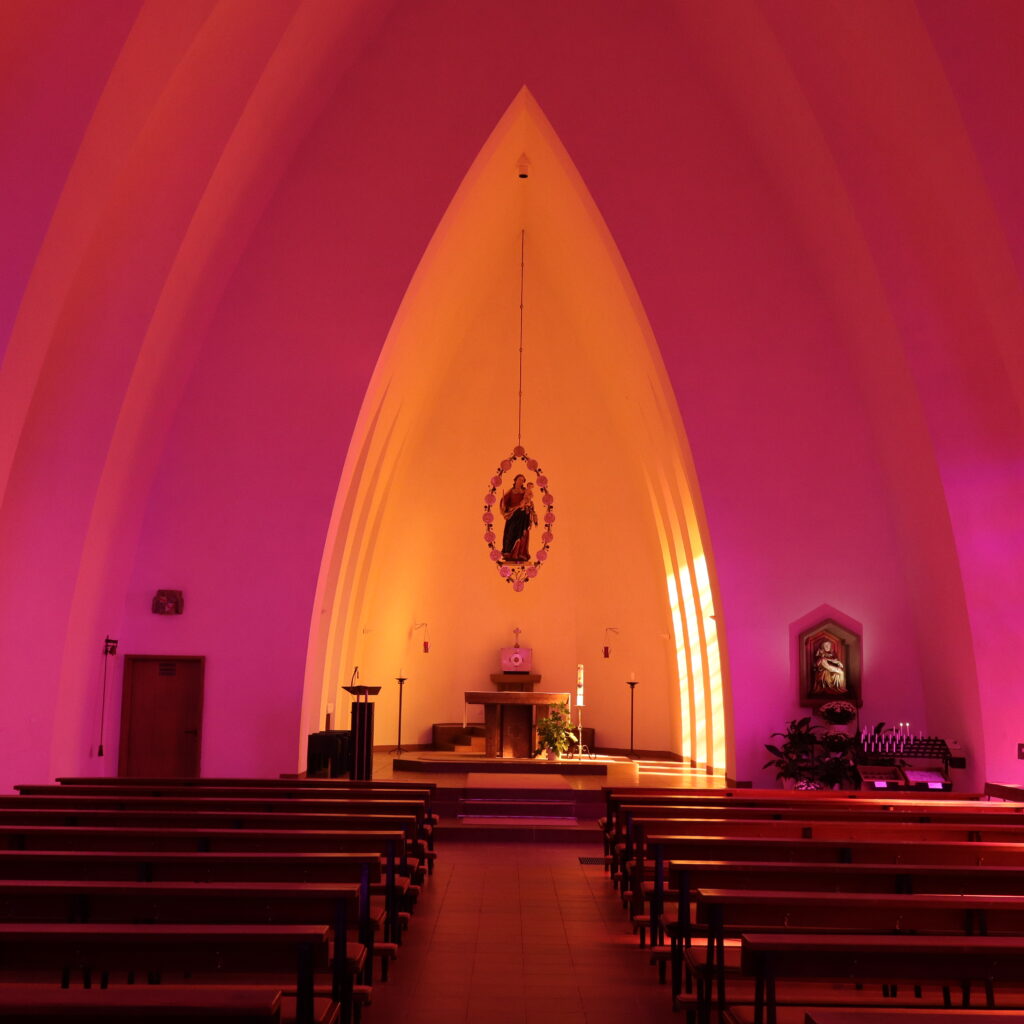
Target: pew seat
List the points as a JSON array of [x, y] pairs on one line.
[[168, 1004]]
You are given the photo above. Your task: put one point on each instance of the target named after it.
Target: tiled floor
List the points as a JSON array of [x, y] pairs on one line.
[[520, 933]]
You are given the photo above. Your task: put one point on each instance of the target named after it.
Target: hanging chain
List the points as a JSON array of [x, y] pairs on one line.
[[522, 278]]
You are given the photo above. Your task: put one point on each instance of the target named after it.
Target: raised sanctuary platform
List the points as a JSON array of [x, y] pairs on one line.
[[617, 770]]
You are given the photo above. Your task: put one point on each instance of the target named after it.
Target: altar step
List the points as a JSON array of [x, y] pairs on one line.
[[523, 810], [476, 745], [458, 738], [512, 807]]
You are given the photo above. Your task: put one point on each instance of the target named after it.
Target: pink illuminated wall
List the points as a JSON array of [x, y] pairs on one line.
[[212, 211]]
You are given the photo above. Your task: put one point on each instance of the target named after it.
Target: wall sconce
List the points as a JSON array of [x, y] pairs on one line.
[[426, 635], [607, 649]]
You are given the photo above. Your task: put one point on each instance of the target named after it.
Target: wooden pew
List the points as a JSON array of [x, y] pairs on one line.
[[239, 813], [621, 807], [734, 911], [907, 1015], [221, 953], [271, 883], [387, 847], [856, 829], [686, 877], [664, 848], [170, 1004], [189, 866], [224, 813], [276, 793], [937, 959], [344, 906], [778, 798], [241, 781], [213, 831]]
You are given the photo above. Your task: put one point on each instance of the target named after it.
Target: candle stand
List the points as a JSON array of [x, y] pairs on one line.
[[632, 684], [401, 686]]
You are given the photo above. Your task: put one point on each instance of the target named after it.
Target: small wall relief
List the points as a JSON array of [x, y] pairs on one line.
[[830, 665]]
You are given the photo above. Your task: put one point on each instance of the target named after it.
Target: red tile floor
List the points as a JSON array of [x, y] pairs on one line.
[[520, 933]]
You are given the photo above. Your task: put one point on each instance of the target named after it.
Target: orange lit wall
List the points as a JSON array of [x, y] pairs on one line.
[[441, 412]]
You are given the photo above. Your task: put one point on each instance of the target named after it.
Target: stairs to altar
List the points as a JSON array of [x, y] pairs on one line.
[[518, 813]]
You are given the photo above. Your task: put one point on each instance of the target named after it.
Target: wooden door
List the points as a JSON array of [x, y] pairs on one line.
[[161, 716]]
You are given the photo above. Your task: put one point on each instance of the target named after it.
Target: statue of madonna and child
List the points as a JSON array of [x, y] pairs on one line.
[[518, 510]]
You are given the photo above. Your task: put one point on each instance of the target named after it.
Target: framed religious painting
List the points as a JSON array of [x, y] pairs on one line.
[[830, 665]]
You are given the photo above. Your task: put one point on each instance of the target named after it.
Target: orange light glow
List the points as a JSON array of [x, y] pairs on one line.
[[406, 536]]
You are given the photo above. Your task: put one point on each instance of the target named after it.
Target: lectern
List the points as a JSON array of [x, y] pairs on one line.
[[362, 730]]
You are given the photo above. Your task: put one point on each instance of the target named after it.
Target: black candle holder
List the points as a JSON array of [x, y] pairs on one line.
[[632, 684], [401, 687]]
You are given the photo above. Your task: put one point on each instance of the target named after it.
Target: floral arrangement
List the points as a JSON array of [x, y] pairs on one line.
[[838, 712], [808, 785], [555, 732]]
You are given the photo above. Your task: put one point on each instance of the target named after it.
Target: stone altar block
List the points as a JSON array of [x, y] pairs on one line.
[[510, 717]]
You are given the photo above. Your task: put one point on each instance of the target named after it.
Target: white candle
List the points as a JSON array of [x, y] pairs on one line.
[[632, 674]]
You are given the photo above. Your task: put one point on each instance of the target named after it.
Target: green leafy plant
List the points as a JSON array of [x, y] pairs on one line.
[[793, 758], [555, 732], [813, 759]]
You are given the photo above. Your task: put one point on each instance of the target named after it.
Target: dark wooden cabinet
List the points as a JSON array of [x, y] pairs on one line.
[[329, 754]]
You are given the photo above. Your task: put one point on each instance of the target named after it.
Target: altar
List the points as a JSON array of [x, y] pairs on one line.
[[510, 717]]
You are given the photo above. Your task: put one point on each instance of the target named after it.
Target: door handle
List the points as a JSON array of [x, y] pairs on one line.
[[191, 732]]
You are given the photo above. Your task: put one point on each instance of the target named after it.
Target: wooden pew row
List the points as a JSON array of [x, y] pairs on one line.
[[276, 794], [408, 817], [278, 956], [664, 848], [687, 876], [82, 877], [387, 848], [304, 788], [894, 959], [344, 907], [857, 829], [295, 836], [621, 805], [219, 826], [170, 1004], [241, 781], [189, 866], [234, 812], [743, 911], [240, 801], [779, 798], [765, 800], [880, 824], [906, 1015]]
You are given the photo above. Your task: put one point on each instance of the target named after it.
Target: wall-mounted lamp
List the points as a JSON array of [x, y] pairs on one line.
[[607, 649], [426, 635]]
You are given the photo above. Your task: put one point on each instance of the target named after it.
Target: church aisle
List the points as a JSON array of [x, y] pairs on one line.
[[520, 933]]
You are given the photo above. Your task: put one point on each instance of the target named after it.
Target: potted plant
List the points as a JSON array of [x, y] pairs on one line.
[[794, 758], [808, 758], [555, 733]]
